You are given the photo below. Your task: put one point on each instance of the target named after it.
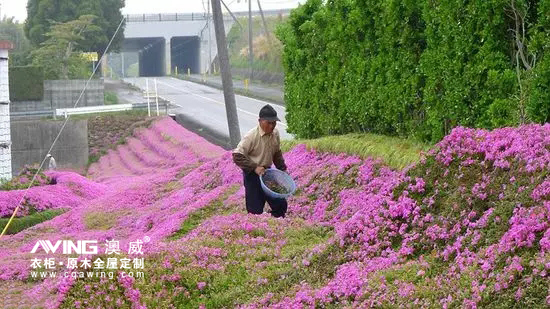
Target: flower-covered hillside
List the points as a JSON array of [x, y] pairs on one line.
[[467, 226], [162, 146]]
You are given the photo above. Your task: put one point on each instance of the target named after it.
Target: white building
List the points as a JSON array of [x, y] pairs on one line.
[[5, 138]]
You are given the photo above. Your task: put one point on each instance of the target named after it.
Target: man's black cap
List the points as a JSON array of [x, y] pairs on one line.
[[268, 113]]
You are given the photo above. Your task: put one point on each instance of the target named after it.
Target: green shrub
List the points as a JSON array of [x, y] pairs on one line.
[[110, 98], [26, 83], [413, 68]]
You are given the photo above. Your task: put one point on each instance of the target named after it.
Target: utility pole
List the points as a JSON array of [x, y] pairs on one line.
[[227, 79], [265, 24], [232, 15], [250, 50], [209, 41]]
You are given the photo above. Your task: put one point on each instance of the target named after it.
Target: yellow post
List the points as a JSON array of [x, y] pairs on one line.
[[246, 83]]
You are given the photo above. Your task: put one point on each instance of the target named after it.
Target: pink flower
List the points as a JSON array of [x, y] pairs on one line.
[[201, 285], [519, 294]]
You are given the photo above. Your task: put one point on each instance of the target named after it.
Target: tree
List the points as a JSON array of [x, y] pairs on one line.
[[13, 31], [42, 14], [530, 36], [60, 54]]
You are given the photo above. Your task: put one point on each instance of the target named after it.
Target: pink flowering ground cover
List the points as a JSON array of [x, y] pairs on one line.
[[467, 226], [24, 178], [70, 190]]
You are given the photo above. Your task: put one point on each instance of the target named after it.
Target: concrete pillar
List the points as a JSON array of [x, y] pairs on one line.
[[5, 137], [122, 65], [105, 65], [168, 56]]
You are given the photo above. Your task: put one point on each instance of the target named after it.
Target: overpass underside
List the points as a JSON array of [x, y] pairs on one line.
[[185, 54], [157, 56], [157, 44]]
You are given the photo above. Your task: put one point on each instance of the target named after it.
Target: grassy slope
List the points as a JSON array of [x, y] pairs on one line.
[[284, 273], [105, 131], [19, 224], [292, 245], [108, 130], [394, 152]]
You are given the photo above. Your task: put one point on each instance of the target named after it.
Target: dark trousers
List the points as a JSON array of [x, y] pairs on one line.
[[256, 198]]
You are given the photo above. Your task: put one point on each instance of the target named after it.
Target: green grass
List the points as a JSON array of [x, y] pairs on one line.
[[258, 64], [20, 223], [130, 113], [198, 216], [93, 158], [16, 184], [100, 220], [110, 98], [393, 151]]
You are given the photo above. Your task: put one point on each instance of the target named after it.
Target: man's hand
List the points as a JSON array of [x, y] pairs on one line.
[[260, 170]]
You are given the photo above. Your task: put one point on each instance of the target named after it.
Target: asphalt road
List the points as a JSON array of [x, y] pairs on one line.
[[205, 105]]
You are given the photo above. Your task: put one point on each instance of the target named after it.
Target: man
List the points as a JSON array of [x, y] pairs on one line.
[[258, 149], [51, 165]]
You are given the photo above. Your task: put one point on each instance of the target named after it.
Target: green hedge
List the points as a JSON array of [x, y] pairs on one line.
[[413, 68], [26, 83]]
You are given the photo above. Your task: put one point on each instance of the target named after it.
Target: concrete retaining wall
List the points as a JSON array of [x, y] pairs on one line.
[[63, 94], [29, 106], [32, 139]]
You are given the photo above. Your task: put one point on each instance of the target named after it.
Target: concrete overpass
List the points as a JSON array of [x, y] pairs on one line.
[[161, 42]]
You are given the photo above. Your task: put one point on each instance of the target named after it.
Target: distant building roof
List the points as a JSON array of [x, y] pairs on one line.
[[6, 44]]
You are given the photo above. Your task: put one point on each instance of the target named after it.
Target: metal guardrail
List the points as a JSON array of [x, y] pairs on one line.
[[137, 18], [108, 108], [164, 105], [32, 113], [92, 109]]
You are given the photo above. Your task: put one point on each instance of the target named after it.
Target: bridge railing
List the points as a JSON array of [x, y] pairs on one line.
[[136, 18], [140, 18]]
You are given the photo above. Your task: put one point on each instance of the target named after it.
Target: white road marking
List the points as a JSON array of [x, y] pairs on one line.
[[215, 101]]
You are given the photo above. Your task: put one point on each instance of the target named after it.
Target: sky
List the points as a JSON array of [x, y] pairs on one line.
[[18, 8]]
